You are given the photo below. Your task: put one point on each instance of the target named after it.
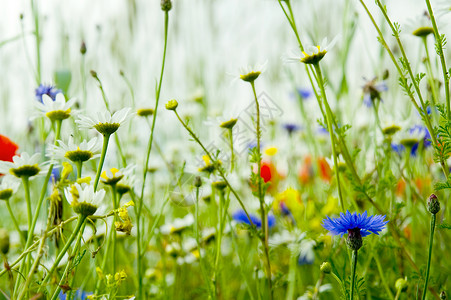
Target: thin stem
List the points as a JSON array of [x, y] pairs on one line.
[[37, 40], [353, 269], [22, 238], [79, 168], [106, 139], [439, 45], [431, 239], [329, 118], [232, 155], [26, 186], [431, 78], [60, 256], [220, 170], [219, 239], [149, 149], [263, 213]]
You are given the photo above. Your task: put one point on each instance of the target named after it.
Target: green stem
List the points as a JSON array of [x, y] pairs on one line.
[[219, 240], [219, 169], [69, 263], [106, 139], [26, 186], [381, 274], [115, 205], [37, 40], [232, 156], [430, 77], [263, 213], [79, 164], [149, 149], [22, 238], [431, 239], [60, 256], [329, 118], [353, 269], [439, 46]]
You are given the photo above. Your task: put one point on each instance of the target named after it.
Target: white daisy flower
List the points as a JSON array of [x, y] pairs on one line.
[[55, 110], [106, 123], [83, 199], [311, 54], [8, 187], [22, 166], [177, 225], [250, 73], [82, 152]]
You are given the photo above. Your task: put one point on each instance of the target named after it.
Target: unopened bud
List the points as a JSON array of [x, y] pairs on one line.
[[443, 296], [401, 284], [93, 73], [326, 267], [197, 181], [83, 48], [166, 5], [172, 105], [4, 241], [433, 205]]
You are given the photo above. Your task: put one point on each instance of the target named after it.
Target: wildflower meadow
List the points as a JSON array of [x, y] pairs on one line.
[[211, 149]]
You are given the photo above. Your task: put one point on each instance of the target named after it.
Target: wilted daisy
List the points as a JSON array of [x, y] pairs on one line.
[[106, 124], [57, 109], [22, 166], [81, 152], [8, 187], [83, 199], [356, 226], [250, 73]]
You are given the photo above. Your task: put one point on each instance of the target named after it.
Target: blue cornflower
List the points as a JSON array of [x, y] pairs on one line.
[[347, 222], [305, 93], [241, 217], [291, 127], [49, 90], [79, 295]]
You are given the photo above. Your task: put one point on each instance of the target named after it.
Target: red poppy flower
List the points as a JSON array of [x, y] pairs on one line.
[[325, 172], [7, 148]]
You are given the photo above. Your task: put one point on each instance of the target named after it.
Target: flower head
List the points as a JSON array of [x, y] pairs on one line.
[[356, 225], [372, 91], [83, 199], [82, 152], [241, 217], [45, 89], [106, 124], [112, 176], [250, 73], [312, 54], [22, 166], [348, 221], [8, 187], [55, 109], [7, 148]]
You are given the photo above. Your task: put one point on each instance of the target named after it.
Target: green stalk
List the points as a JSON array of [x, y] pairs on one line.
[[232, 156], [220, 170], [263, 213], [329, 118], [79, 168], [60, 256], [219, 239], [66, 270], [381, 274], [353, 269], [106, 139], [22, 239], [431, 239], [149, 149], [26, 186], [430, 77], [442, 57], [115, 206], [37, 40]]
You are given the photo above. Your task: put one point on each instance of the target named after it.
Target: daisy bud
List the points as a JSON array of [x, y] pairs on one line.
[[326, 267], [401, 284], [83, 48], [443, 295], [219, 185], [228, 124], [4, 241], [197, 181], [172, 105], [433, 205]]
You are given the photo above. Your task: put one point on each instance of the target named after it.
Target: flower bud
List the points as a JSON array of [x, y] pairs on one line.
[[401, 284], [166, 5], [354, 240], [433, 205], [93, 73], [83, 48], [326, 267], [4, 241], [197, 181], [443, 296], [172, 105]]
